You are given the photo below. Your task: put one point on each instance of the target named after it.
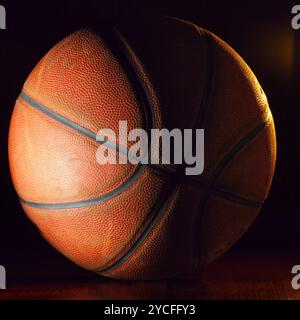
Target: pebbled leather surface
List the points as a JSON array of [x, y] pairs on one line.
[[53, 163], [82, 80], [97, 235]]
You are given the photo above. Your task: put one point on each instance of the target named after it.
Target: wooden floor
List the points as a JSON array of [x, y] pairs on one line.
[[248, 276]]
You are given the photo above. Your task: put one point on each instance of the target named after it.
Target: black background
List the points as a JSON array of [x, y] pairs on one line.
[[260, 31]]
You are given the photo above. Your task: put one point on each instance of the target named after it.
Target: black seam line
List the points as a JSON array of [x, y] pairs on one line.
[[101, 140], [122, 44], [216, 191], [157, 212], [209, 79], [202, 119], [235, 198], [89, 202], [236, 148], [159, 207], [222, 165], [88, 133], [71, 124], [133, 66], [56, 116]]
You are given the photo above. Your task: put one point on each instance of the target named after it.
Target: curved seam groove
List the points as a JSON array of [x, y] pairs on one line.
[[235, 149], [235, 198], [158, 211], [69, 123], [142, 94], [222, 165], [210, 73], [122, 43], [202, 119], [159, 207], [89, 202]]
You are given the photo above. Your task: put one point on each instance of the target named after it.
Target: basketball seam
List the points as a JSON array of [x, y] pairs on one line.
[[203, 121], [205, 185], [88, 202], [124, 184], [222, 165], [157, 213], [210, 73], [235, 149], [157, 216], [88, 133], [235, 198], [158, 209], [57, 117], [74, 126], [90, 142], [131, 62], [199, 258]]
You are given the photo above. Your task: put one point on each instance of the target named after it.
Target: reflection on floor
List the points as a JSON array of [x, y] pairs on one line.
[[248, 276]]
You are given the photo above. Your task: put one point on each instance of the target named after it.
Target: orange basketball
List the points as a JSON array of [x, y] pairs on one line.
[[141, 221]]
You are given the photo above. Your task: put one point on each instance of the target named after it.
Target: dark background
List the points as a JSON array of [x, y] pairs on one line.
[[260, 31]]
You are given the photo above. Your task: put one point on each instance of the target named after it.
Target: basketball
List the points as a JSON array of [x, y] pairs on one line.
[[139, 221]]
